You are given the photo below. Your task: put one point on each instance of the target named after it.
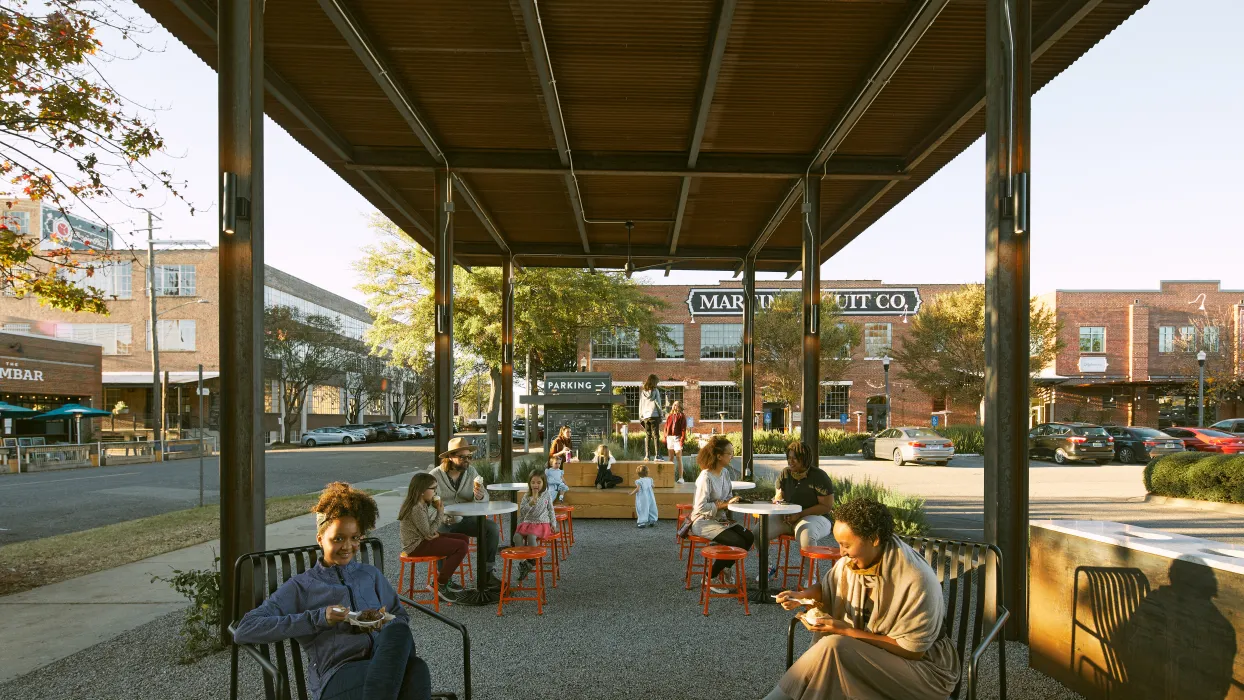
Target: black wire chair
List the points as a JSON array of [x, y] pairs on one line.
[[971, 578], [266, 571]]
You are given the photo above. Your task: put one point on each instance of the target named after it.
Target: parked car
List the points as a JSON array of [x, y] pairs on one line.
[[1133, 444], [905, 445], [1071, 442], [1208, 440], [332, 436], [368, 432], [1235, 426], [420, 431], [475, 424], [385, 430]]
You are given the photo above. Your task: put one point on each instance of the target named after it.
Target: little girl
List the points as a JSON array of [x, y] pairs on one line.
[[645, 499], [556, 478], [536, 518], [604, 475]]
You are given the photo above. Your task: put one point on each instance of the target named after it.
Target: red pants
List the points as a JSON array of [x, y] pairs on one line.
[[450, 545]]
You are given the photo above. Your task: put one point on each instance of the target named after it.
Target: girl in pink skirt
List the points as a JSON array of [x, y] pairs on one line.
[[536, 519]]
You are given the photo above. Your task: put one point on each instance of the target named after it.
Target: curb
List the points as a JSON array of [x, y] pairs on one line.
[[1232, 508]]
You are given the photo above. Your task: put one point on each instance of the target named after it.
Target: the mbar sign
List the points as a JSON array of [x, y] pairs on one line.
[[12, 371], [890, 301]]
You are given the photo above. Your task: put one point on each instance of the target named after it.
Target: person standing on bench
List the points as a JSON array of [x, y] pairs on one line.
[[345, 662], [650, 416], [458, 482], [881, 634]]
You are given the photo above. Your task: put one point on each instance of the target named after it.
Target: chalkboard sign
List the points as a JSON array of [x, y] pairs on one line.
[[589, 426]]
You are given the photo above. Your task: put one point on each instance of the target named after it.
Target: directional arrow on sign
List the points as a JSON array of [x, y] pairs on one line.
[[600, 387]]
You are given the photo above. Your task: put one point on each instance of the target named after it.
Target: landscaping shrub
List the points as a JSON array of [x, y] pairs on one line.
[[200, 630], [909, 515], [836, 443], [968, 439], [831, 443], [1198, 475]]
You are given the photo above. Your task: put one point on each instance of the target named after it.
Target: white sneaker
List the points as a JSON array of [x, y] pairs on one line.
[[727, 576], [719, 589]]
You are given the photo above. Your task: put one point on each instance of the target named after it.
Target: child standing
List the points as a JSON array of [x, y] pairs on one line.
[[536, 519], [555, 476], [645, 499], [604, 468]]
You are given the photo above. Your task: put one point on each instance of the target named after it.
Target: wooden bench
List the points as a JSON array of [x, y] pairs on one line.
[[266, 571], [971, 578], [583, 474]]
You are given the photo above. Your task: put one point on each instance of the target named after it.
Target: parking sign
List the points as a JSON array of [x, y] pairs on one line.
[[934, 421], [842, 418]]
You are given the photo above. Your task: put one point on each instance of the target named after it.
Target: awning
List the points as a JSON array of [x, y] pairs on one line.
[[144, 378]]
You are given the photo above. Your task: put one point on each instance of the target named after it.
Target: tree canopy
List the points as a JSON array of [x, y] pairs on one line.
[[66, 136], [554, 308], [308, 350], [778, 340], [943, 354]]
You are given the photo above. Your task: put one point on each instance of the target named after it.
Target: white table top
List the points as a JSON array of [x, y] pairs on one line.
[[512, 486], [481, 508], [742, 485], [766, 508]]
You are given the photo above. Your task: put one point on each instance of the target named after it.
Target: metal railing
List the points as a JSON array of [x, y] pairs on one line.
[[137, 452], [45, 458], [31, 458]]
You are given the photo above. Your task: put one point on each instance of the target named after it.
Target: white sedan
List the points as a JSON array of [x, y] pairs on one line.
[[332, 436], [418, 431], [905, 445]]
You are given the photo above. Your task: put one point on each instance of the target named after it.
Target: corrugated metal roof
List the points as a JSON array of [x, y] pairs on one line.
[[629, 77]]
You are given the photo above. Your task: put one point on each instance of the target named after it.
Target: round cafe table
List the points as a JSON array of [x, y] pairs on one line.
[[514, 488], [480, 510], [762, 510], [742, 485]]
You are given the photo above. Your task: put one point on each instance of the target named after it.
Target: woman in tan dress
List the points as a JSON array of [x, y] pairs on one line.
[[879, 620]]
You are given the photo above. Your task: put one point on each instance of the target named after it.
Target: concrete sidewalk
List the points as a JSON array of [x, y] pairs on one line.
[[105, 604]]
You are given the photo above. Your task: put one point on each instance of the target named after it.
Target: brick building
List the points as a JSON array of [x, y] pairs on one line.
[[706, 325], [187, 283], [1130, 355], [44, 373]]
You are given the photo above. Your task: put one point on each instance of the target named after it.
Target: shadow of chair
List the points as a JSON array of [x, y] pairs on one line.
[[1114, 595]]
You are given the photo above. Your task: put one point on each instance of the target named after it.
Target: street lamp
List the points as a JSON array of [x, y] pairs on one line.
[[885, 364], [1200, 393], [157, 384]]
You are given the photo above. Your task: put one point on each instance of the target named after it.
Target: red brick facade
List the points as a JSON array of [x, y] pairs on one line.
[[1143, 374], [864, 377]]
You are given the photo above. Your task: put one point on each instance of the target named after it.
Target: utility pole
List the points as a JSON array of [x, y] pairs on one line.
[[157, 429]]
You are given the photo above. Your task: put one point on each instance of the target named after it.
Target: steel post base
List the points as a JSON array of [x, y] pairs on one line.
[[475, 597]]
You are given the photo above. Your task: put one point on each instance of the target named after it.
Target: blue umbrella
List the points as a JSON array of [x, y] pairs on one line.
[[72, 410], [10, 409]]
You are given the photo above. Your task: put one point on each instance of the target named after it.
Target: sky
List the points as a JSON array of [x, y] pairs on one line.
[[1136, 171]]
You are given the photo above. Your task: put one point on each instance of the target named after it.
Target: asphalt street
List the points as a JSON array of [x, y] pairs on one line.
[[52, 503]]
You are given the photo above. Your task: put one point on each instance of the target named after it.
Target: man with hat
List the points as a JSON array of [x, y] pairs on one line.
[[458, 482]]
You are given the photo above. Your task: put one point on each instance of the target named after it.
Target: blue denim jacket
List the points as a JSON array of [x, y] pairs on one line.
[[296, 610]]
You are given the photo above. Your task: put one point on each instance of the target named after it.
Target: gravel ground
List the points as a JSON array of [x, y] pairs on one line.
[[619, 625]]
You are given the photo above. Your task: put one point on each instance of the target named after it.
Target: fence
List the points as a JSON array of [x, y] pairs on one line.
[[114, 453], [45, 458]]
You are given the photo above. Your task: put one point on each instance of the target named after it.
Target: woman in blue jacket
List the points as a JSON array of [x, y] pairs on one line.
[[345, 662]]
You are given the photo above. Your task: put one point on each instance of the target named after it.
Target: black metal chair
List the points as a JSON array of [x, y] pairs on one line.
[[971, 577], [265, 572]]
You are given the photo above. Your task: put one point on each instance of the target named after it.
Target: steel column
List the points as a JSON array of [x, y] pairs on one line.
[[443, 352], [1008, 37], [810, 410], [240, 115], [749, 364], [507, 368]]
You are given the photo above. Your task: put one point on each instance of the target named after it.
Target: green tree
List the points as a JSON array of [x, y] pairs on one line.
[[66, 137], [553, 309], [306, 350], [943, 353], [365, 382], [1214, 333], [778, 339]]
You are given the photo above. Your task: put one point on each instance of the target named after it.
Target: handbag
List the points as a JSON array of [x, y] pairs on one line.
[[685, 528]]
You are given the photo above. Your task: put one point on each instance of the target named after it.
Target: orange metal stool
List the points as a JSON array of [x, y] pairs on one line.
[[694, 567], [554, 541], [511, 555], [429, 584], [499, 519], [466, 569], [810, 556], [782, 560], [718, 552], [569, 511], [563, 527]]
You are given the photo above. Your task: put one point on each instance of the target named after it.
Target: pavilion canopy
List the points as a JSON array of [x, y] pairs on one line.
[[694, 119]]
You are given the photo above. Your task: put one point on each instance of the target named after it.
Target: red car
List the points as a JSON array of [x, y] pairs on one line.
[[1208, 440]]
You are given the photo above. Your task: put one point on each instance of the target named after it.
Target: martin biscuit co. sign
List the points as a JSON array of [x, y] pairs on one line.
[[578, 383], [890, 301]]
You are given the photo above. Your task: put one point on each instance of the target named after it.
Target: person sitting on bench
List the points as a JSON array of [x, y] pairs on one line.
[[879, 624], [345, 662]]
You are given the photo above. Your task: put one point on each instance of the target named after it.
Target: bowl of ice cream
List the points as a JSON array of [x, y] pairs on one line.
[[368, 618], [816, 616]]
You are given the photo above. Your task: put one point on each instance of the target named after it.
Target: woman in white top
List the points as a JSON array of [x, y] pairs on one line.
[[713, 495], [650, 416]]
